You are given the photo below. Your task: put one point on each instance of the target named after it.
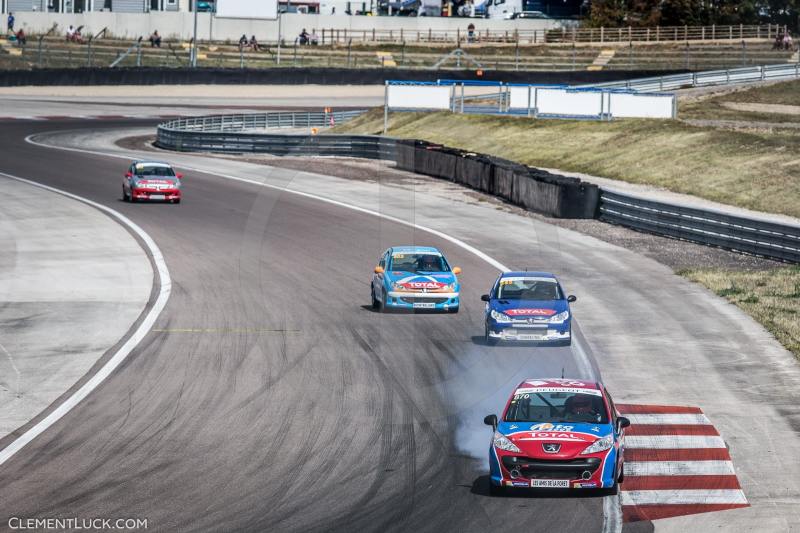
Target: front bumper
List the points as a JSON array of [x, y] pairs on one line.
[[422, 300], [537, 332], [591, 472], [152, 194]]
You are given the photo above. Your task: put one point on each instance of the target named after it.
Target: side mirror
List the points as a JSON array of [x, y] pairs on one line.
[[179, 175], [128, 174], [485, 297], [622, 422], [571, 298], [456, 270], [379, 270], [491, 420]]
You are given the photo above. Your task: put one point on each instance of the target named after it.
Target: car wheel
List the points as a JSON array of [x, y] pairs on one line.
[[376, 305], [496, 490], [125, 196], [490, 341], [621, 477], [452, 309], [382, 303], [177, 201]]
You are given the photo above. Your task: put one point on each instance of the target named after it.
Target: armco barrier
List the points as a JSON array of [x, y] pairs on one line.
[[531, 188], [714, 228]]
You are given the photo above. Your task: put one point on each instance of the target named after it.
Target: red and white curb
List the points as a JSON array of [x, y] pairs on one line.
[[676, 463]]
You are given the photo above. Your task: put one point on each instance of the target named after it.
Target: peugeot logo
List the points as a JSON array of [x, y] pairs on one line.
[[551, 447]]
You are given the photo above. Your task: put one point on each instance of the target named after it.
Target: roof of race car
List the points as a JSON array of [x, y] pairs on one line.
[[152, 163], [527, 274], [415, 250], [560, 383]]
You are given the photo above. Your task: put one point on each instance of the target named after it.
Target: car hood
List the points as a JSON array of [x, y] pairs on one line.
[[573, 437], [420, 280], [530, 308]]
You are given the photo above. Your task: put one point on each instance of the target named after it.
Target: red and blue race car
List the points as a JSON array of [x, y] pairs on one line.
[[557, 434]]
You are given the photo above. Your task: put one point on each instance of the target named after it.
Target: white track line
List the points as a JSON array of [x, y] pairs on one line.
[[679, 468], [677, 497], [673, 441], [124, 350], [666, 419], [612, 521]]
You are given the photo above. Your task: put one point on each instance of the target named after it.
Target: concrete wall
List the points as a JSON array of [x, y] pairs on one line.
[[179, 24]]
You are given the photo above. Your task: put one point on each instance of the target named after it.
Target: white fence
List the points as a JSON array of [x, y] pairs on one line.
[[530, 100]]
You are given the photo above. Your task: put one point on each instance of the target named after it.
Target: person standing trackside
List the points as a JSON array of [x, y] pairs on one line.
[[11, 22]]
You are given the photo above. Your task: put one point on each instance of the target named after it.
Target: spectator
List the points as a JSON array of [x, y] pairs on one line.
[[242, 42], [303, 37], [70, 33], [155, 40], [11, 22], [333, 10], [253, 44], [787, 41], [778, 44], [313, 38], [77, 37], [471, 33], [21, 39]]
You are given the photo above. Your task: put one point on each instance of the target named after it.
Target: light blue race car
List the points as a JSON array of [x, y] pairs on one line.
[[415, 278]]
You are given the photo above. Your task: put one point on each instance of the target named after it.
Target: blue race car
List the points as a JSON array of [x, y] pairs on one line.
[[527, 306], [417, 278]]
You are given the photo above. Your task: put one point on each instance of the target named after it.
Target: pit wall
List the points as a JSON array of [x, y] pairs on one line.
[[179, 25]]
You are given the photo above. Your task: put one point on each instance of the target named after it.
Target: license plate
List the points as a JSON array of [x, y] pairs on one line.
[[424, 305], [550, 483], [157, 197], [529, 337]]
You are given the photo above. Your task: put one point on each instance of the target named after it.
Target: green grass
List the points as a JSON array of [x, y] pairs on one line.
[[756, 170], [771, 297]]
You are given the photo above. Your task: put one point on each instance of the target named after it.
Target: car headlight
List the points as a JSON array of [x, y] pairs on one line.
[[600, 445], [560, 317], [397, 287], [500, 441], [499, 317]]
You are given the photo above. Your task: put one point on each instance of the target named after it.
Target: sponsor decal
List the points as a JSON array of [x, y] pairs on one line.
[[530, 312], [519, 483], [521, 392], [427, 285], [513, 426], [547, 426], [560, 435], [511, 279], [585, 485]]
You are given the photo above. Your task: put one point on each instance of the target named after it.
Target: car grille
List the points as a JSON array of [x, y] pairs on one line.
[[424, 300], [551, 469]]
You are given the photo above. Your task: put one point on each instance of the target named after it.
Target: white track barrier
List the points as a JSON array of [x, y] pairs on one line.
[[551, 101], [418, 96]]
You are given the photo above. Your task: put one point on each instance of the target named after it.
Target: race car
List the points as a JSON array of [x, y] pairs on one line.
[[151, 180], [415, 277], [557, 434], [527, 306]]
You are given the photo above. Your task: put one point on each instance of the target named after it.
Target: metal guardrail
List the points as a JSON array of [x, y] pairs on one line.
[[711, 77], [713, 228], [234, 134], [239, 134]]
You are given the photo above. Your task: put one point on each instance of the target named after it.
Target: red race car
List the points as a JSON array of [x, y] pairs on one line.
[[557, 434], [151, 180]]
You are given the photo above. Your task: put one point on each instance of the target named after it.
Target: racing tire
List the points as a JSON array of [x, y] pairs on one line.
[[176, 201], [452, 310], [382, 303], [125, 197], [488, 339], [621, 477], [496, 490], [376, 305]]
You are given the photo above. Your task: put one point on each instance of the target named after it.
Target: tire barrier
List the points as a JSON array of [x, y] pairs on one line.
[[297, 76]]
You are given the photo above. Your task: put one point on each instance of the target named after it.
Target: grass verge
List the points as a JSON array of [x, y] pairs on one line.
[[771, 297], [714, 108], [753, 169]]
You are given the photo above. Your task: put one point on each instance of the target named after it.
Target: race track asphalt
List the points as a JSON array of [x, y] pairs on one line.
[[269, 397]]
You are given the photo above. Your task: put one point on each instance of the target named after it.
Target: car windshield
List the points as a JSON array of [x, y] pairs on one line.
[[528, 289], [154, 170], [557, 407], [416, 262]]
